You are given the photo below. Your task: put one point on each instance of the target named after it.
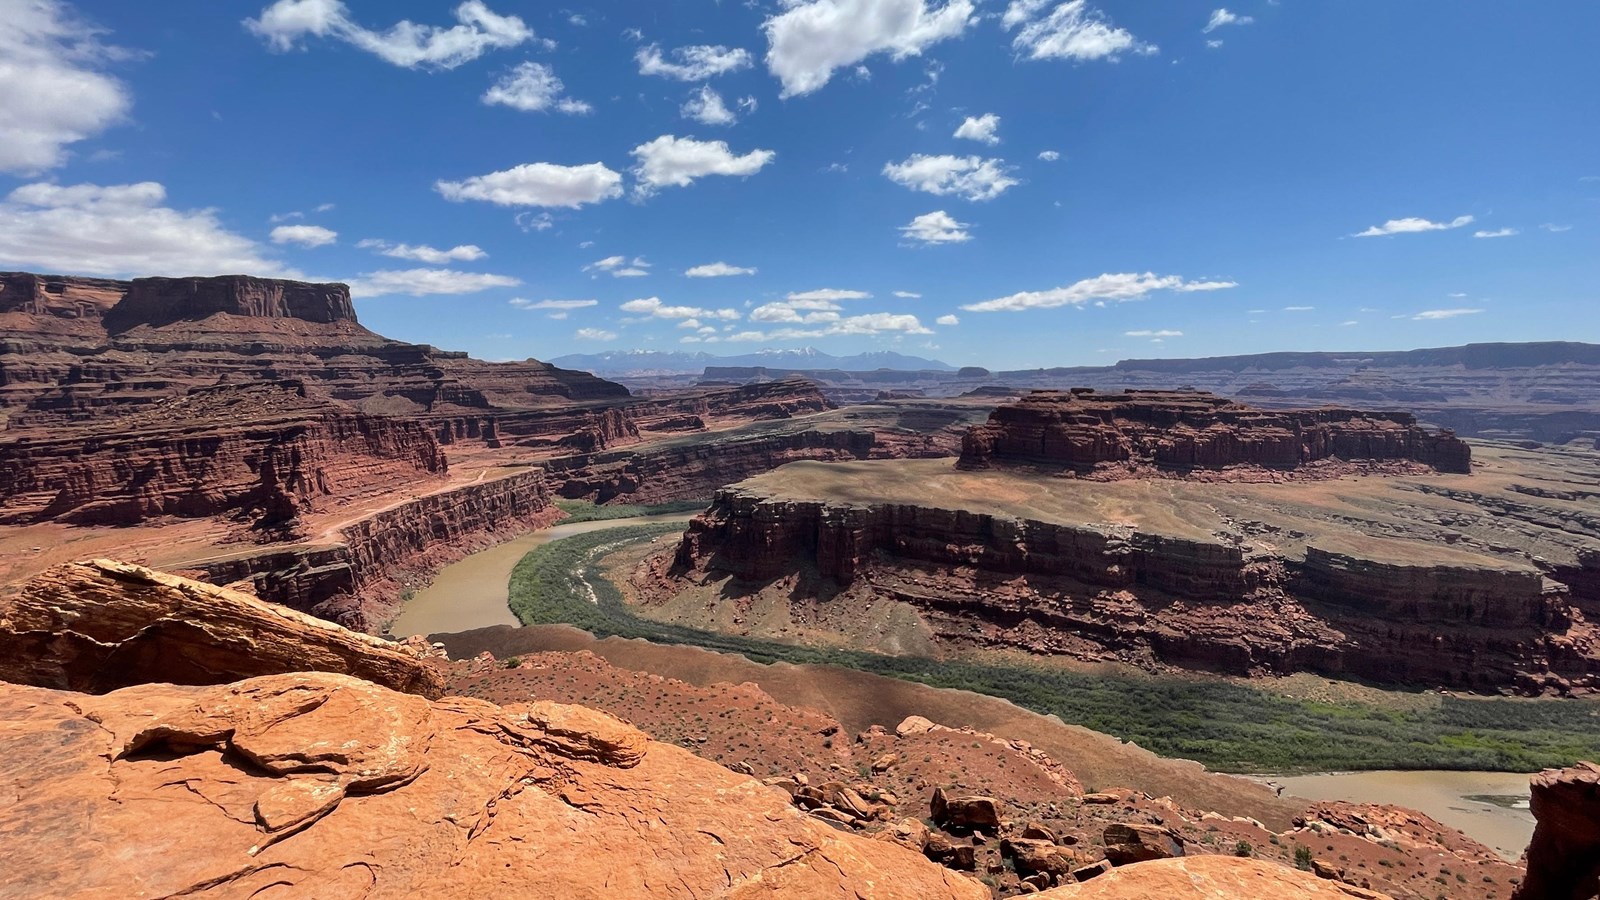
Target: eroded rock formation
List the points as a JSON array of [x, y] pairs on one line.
[[1208, 877], [1181, 430], [1564, 857], [103, 625]]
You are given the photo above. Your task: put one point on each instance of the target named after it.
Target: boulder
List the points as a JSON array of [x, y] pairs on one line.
[[1140, 843], [967, 813]]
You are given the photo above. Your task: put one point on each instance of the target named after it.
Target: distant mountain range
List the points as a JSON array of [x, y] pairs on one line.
[[641, 363]]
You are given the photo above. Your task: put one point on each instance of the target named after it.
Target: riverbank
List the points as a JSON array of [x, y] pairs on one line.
[[1489, 807]]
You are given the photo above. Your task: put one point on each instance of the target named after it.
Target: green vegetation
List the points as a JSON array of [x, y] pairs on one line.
[[584, 511], [1227, 726], [1302, 856]]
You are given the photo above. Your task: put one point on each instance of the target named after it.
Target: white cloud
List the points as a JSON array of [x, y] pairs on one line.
[[937, 227], [868, 324], [1145, 332], [718, 270], [1413, 225], [1350, 322], [809, 41], [1554, 228], [407, 44], [1072, 30], [1049, 155], [1298, 308], [594, 334], [670, 161], [1431, 315], [1213, 44], [121, 229], [980, 128], [533, 87], [522, 303], [908, 295], [1222, 17], [1116, 288], [652, 306], [797, 312], [424, 282], [528, 220], [52, 92], [1497, 233], [423, 252], [304, 235], [706, 107], [620, 267], [829, 295], [538, 184], [947, 320], [967, 177], [696, 63]]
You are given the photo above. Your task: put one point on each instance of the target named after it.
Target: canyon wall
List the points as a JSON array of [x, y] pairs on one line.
[[1103, 592], [1181, 430], [359, 582]]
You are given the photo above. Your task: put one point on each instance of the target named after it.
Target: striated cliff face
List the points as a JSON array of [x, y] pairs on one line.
[[357, 581], [160, 301], [1142, 594], [265, 449], [1182, 430]]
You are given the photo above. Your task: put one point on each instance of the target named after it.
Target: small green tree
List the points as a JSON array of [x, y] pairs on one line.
[[1302, 857], [1243, 848]]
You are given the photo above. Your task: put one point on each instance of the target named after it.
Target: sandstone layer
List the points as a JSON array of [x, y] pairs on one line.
[[103, 625], [1211, 878], [1387, 579], [1082, 430], [1564, 857], [323, 785]]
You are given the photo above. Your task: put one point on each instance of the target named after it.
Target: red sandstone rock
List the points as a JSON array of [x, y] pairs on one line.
[[1209, 878], [1184, 430], [104, 625], [1564, 857], [320, 785]]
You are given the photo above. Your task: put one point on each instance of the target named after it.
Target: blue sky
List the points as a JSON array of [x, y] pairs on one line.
[[518, 179]]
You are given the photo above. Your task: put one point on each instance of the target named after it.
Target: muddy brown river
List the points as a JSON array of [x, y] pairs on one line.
[[1489, 807], [473, 593]]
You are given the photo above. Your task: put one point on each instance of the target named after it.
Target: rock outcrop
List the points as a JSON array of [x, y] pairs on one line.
[[1209, 878], [102, 625], [321, 785], [1564, 858], [1082, 430]]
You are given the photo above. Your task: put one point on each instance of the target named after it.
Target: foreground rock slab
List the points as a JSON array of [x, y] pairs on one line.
[[1209, 878], [1564, 856], [102, 625], [322, 785]]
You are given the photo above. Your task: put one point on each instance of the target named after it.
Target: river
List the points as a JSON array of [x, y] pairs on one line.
[[1490, 807], [473, 593]]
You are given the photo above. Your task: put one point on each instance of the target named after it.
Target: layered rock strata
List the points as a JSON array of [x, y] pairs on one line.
[[1180, 430], [1564, 857], [103, 625], [322, 785]]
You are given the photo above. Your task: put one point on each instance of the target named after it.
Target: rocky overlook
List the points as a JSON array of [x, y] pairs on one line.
[[1085, 431]]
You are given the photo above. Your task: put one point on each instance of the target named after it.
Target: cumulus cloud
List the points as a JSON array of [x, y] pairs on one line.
[[121, 229], [1221, 17], [423, 252], [1497, 233], [1072, 30], [620, 267], [1147, 333], [950, 319], [809, 41], [655, 308], [53, 90], [908, 295], [285, 23], [829, 295], [1432, 315], [1049, 155], [533, 87], [696, 63], [538, 184], [304, 235], [670, 161], [425, 282], [868, 324], [967, 177], [564, 305], [594, 334], [1114, 288], [980, 128], [706, 107], [937, 227], [718, 270], [1413, 225]]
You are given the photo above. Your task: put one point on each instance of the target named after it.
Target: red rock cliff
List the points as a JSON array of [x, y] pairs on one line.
[[1564, 857]]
